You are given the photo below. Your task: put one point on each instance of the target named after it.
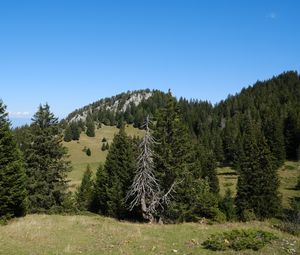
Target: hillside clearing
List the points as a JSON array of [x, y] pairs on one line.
[[80, 160], [288, 175]]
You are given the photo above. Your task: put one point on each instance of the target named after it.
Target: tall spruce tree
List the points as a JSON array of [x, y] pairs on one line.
[[85, 191], [75, 130], [46, 165], [248, 166], [13, 194], [90, 127], [68, 137], [100, 197], [173, 160], [273, 132], [119, 169], [257, 188], [205, 167]]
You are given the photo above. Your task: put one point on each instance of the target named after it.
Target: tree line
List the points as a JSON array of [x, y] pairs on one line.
[[254, 132], [273, 104]]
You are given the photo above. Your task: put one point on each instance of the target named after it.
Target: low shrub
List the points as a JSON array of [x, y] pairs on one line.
[[88, 152], [239, 240], [291, 219], [218, 216], [248, 215]]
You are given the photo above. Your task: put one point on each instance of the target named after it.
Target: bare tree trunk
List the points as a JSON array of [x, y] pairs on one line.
[[145, 190]]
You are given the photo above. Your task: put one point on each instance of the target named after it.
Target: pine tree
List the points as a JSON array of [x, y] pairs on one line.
[[103, 147], [173, 159], [119, 167], [68, 134], [100, 196], [257, 188], [85, 191], [268, 200], [46, 167], [75, 130], [205, 167], [273, 132], [107, 146], [13, 194], [90, 127]]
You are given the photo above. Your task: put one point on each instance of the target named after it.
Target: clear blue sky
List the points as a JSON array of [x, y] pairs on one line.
[[71, 53]]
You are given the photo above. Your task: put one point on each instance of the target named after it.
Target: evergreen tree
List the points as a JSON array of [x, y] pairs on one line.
[[173, 160], [120, 122], [120, 167], [248, 164], [68, 134], [258, 183], [273, 132], [227, 205], [90, 127], [13, 194], [107, 146], [100, 197], [85, 191], [103, 147], [46, 167], [21, 135], [75, 130], [292, 134], [205, 167], [203, 203], [88, 152]]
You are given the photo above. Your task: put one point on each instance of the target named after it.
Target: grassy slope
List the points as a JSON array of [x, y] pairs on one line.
[[40, 234], [79, 158]]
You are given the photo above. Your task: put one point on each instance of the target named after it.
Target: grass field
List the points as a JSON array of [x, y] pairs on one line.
[[96, 235]]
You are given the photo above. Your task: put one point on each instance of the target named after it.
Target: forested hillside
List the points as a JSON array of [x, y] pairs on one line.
[[274, 105]]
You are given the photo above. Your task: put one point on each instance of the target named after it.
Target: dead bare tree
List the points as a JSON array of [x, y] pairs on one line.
[[145, 190]]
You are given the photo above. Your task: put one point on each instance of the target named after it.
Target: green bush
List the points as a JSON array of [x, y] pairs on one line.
[[248, 215], [239, 240], [218, 216]]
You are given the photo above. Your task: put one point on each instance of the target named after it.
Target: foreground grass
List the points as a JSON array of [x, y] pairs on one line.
[[41, 234]]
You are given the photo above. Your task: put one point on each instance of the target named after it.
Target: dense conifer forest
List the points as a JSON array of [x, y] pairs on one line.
[[170, 178]]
